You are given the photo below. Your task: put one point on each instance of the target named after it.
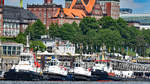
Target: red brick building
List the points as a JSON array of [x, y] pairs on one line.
[[74, 10], [101, 7], [45, 12]]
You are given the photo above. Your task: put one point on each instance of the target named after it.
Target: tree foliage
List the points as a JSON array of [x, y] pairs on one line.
[[36, 30], [114, 33], [92, 34], [37, 46], [21, 38]]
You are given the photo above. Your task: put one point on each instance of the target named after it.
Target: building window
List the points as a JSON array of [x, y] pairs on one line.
[[40, 14], [49, 15], [9, 50], [0, 16]]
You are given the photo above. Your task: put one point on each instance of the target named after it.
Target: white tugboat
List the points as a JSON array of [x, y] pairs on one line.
[[79, 73], [27, 69], [55, 71]]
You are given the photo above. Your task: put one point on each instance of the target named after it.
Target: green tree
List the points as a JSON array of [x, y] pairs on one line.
[[36, 30], [109, 37], [148, 52], [37, 45], [7, 39], [146, 34], [107, 22], [67, 32], [21, 38], [53, 30], [88, 23]]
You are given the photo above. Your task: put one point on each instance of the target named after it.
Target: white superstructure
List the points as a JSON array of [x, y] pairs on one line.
[[79, 69], [54, 67], [27, 61]]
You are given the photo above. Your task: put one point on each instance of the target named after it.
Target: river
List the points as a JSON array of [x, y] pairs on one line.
[[63, 82]]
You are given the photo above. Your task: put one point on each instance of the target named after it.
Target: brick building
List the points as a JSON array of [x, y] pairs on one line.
[[45, 12], [101, 7], [74, 10], [14, 20]]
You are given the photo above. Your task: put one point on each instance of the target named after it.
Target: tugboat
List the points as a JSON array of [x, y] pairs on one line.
[[102, 70], [79, 73], [55, 71], [27, 69], [98, 72]]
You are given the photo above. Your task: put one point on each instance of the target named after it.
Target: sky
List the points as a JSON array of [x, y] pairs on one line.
[[138, 6]]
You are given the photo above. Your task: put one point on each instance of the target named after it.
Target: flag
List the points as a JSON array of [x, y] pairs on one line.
[[127, 49], [91, 47], [77, 46], [114, 48], [135, 50], [96, 48], [87, 47], [131, 49], [81, 46], [109, 49], [122, 50], [21, 3], [101, 49], [102, 57], [68, 45]]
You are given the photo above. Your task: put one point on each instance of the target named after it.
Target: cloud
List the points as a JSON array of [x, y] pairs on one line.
[[138, 6]]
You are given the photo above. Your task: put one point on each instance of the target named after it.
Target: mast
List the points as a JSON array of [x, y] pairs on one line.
[[27, 44]]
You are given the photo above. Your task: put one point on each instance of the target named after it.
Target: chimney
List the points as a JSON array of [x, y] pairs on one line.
[[48, 1]]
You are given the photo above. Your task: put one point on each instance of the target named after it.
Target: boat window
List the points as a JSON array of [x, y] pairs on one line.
[[77, 65], [53, 63], [25, 58], [96, 62]]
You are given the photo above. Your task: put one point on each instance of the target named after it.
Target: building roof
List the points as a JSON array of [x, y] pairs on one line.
[[11, 44], [44, 6], [17, 13], [141, 18]]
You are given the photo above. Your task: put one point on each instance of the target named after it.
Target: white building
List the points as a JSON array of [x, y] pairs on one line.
[[141, 21], [11, 49], [58, 46], [10, 53]]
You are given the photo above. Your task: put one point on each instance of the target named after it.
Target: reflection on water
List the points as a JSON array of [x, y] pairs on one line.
[[63, 82]]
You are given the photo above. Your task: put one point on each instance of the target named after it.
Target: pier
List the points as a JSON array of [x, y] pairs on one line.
[[129, 66]]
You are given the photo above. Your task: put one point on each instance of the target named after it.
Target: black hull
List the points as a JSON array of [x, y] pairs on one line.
[[99, 75], [54, 77], [78, 77], [22, 76]]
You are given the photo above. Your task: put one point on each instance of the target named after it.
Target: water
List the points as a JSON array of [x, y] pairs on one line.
[[63, 82]]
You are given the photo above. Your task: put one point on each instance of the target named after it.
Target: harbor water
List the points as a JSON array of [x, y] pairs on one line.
[[70, 82]]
